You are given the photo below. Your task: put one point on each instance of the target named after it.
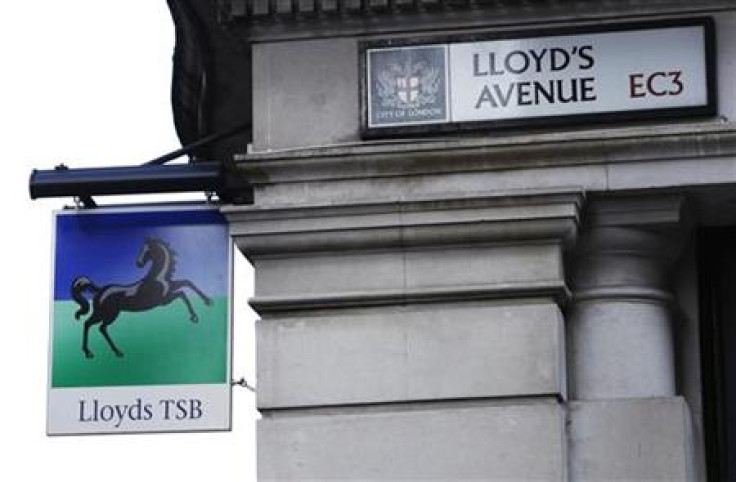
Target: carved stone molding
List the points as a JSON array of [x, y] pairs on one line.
[[407, 251], [291, 19]]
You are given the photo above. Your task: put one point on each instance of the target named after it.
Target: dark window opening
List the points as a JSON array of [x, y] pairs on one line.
[[717, 268]]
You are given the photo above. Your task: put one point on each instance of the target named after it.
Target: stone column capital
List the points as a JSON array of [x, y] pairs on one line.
[[619, 328], [660, 212], [628, 246]]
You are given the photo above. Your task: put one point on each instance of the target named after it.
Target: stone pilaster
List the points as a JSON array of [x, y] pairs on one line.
[[626, 420], [411, 338], [620, 326]]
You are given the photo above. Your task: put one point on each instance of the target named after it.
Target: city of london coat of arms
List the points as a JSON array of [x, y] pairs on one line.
[[407, 85]]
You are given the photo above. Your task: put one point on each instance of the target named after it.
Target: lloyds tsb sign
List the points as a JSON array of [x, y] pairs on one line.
[[635, 71], [140, 321]]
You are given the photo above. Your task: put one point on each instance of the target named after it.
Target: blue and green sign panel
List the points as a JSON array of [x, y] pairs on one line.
[[140, 323]]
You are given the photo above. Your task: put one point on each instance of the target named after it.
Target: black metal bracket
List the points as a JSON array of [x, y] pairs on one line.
[[153, 177]]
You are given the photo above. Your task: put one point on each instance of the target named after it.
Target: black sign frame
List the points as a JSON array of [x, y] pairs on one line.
[[709, 109]]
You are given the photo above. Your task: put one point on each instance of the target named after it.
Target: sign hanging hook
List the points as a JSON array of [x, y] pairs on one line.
[[243, 383]]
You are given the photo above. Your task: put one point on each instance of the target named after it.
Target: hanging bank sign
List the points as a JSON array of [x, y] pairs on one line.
[[140, 322], [640, 71]]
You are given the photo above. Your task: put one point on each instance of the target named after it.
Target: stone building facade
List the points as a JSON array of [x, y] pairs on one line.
[[544, 302]]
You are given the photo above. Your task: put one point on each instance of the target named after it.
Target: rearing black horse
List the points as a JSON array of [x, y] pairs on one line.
[[156, 288]]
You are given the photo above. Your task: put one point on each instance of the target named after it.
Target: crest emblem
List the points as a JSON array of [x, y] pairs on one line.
[[408, 89], [406, 85], [411, 84]]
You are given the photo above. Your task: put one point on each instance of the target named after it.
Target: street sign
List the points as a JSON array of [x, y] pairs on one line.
[[140, 321], [541, 77]]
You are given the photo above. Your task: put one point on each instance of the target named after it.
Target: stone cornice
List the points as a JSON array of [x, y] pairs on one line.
[[556, 290], [395, 223], [470, 154], [279, 20]]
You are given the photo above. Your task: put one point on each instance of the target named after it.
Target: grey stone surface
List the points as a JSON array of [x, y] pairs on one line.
[[633, 440], [439, 19], [726, 63], [687, 350], [620, 328], [360, 239], [655, 157], [643, 210], [621, 348], [397, 251], [671, 173], [305, 93], [435, 18], [591, 178], [425, 352], [328, 274], [375, 273], [403, 222], [574, 147], [501, 443]]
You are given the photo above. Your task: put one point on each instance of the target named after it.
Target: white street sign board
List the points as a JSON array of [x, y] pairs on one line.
[[578, 74], [625, 72]]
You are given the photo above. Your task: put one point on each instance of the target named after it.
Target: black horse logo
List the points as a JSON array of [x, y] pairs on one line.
[[156, 288]]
